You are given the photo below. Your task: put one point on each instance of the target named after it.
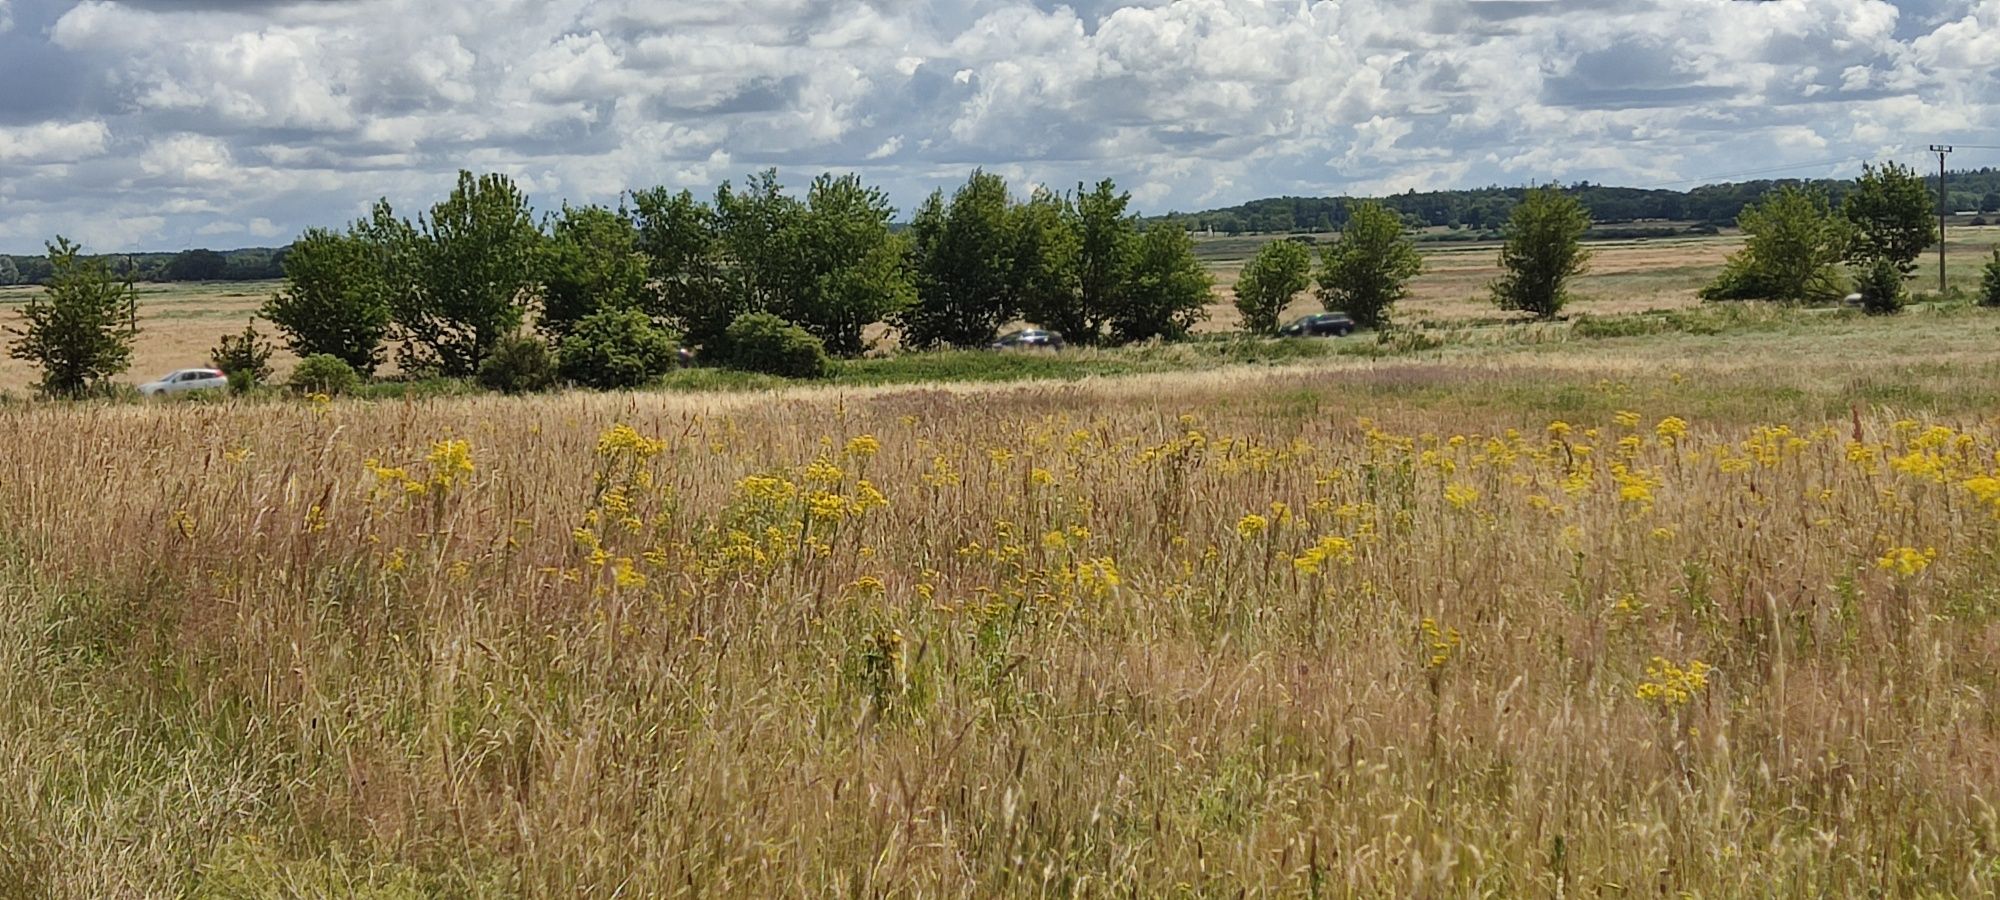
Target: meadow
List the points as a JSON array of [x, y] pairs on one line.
[[1660, 600], [1684, 613]]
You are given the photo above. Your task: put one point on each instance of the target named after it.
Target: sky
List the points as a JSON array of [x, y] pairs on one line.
[[171, 124]]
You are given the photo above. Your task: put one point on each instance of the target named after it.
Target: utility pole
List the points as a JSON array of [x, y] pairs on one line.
[[1943, 208]]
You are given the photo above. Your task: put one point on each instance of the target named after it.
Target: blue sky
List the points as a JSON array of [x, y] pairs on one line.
[[167, 124]]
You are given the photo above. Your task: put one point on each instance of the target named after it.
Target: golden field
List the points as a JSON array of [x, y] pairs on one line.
[[1701, 615]]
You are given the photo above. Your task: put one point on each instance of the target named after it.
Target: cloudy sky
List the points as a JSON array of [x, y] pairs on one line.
[[167, 124]]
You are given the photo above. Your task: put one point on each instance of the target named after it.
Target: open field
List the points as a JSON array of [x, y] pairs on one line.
[[1701, 613]]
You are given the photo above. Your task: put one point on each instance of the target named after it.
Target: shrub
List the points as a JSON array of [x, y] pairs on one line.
[[1881, 287], [518, 364], [613, 349], [1989, 285], [241, 381], [761, 342], [246, 353], [324, 373]]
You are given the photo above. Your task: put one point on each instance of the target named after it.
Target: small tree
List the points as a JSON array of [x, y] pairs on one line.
[[1791, 252], [615, 348], [1169, 290], [685, 261], [1279, 271], [80, 329], [1543, 250], [1046, 251], [1881, 287], [1369, 268], [1891, 211], [335, 298], [246, 353], [1989, 283]]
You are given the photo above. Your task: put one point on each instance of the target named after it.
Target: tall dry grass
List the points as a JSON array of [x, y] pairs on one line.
[[1147, 638]]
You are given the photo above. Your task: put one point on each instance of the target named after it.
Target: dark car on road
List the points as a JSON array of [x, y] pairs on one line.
[[1029, 339], [1319, 325]]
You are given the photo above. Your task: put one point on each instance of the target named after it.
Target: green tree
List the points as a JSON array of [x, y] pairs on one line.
[[591, 262], [1793, 245], [1891, 211], [245, 355], [196, 265], [1168, 291], [1990, 202], [10, 274], [473, 264], [1047, 251], [1368, 269], [847, 270], [1543, 250], [335, 299], [963, 254], [79, 330], [685, 261], [752, 227], [1989, 282], [1106, 236], [1881, 288], [1279, 271]]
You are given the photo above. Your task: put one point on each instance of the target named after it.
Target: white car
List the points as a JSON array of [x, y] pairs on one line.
[[186, 380]]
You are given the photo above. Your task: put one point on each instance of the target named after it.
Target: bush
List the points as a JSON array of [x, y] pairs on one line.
[[324, 373], [761, 342], [518, 364], [613, 349], [1989, 285], [1881, 287], [247, 354]]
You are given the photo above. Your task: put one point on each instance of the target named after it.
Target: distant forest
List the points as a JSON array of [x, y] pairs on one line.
[[1468, 214], [1486, 209]]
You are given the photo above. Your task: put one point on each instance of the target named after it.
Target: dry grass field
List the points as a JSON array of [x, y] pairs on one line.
[[1677, 615]]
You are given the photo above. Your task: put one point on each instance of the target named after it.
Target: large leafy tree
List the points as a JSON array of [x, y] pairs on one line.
[[335, 300], [1046, 286], [963, 254], [679, 237], [79, 330], [474, 267], [1792, 249], [1543, 251], [1106, 236], [1279, 271], [849, 270], [752, 226], [1893, 217], [591, 262], [1369, 268], [1169, 291]]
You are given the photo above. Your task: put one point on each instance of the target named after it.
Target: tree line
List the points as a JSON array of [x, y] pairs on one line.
[[1976, 190], [248, 264], [755, 278]]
